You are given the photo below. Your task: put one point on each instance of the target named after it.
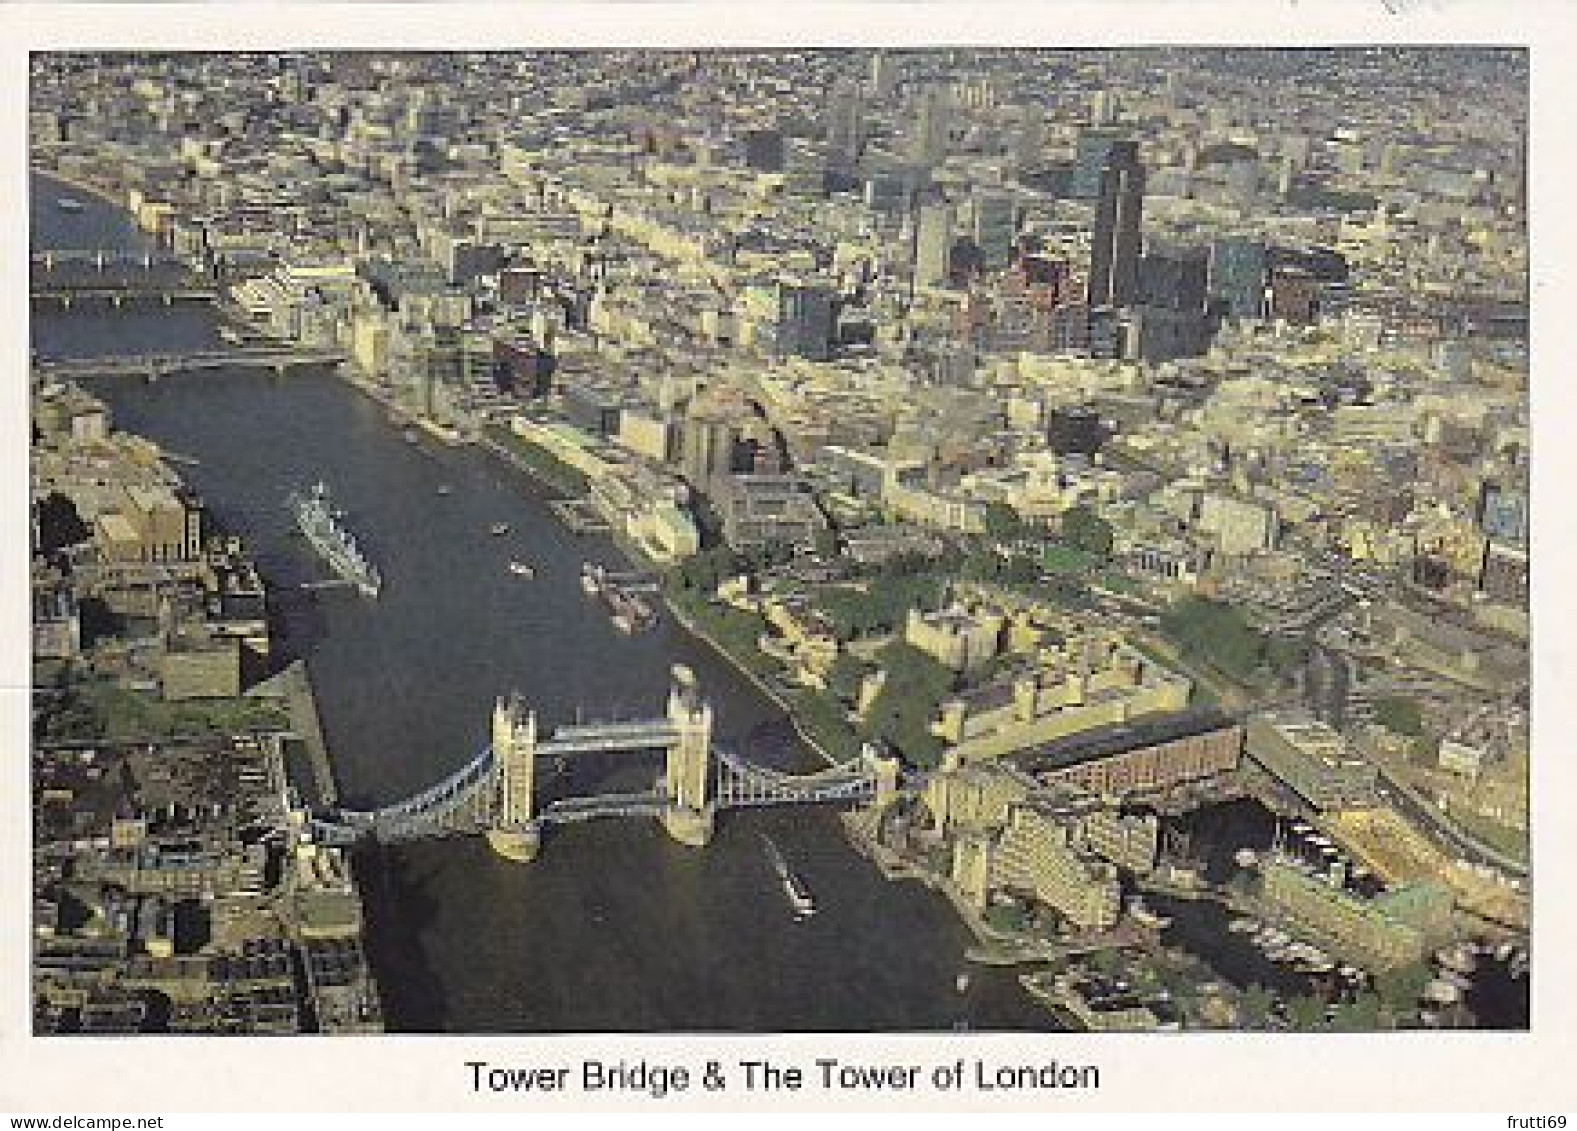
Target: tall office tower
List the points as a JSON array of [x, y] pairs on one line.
[[932, 126], [1237, 276], [884, 74], [1114, 245], [1174, 280], [764, 151], [845, 124], [933, 242], [1030, 139], [1170, 319], [806, 321], [1103, 107], [995, 215], [1094, 147]]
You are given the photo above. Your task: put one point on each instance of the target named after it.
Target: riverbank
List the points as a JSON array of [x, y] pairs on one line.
[[294, 687], [776, 697], [107, 195], [991, 947]]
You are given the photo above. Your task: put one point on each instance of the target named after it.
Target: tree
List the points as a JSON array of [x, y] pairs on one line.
[[1002, 522], [845, 676], [1083, 528], [1400, 987], [881, 606], [1216, 633], [1255, 1006], [1400, 714], [59, 524], [902, 712], [1306, 1012], [1284, 654], [704, 571], [1362, 1015]]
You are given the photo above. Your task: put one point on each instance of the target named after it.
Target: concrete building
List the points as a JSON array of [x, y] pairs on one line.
[[1239, 526], [1311, 758], [1036, 857], [1150, 756], [1351, 924], [761, 510]]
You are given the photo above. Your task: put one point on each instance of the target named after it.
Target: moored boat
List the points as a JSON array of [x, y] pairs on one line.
[[317, 519]]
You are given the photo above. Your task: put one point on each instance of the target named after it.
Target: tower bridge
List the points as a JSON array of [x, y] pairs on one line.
[[495, 793]]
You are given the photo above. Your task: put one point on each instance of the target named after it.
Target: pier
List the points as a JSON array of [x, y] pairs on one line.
[[579, 516]]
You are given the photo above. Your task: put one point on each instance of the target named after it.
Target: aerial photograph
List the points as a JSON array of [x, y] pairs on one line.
[[752, 541]]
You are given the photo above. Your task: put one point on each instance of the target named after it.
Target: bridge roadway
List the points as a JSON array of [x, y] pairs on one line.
[[102, 259], [170, 295], [595, 737], [159, 365]]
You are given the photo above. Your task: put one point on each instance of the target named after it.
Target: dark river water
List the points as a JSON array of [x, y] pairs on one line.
[[615, 927]]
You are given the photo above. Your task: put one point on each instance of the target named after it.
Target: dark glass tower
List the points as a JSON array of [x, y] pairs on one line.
[[1114, 247]]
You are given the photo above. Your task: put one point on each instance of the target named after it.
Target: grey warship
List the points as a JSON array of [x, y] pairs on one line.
[[316, 518]]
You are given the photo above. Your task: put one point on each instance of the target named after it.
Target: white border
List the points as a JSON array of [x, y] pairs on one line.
[[1522, 1074]]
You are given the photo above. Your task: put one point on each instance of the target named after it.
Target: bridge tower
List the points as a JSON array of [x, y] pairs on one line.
[[885, 769], [515, 834], [688, 811]]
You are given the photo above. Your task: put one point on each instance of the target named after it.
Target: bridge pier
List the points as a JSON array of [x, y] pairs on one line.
[[520, 846]]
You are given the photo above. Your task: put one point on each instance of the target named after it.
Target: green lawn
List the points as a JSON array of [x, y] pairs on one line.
[[115, 714], [1067, 561]]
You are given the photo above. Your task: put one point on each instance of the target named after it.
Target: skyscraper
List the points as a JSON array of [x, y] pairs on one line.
[[1114, 245], [884, 74], [932, 127], [932, 242], [1237, 276], [806, 321], [1174, 279], [845, 124], [1094, 148], [995, 227]]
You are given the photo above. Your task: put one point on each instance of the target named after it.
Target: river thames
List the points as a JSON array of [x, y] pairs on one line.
[[615, 927]]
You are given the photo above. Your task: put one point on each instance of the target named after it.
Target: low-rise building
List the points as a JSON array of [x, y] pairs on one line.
[[1368, 928], [1312, 759]]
